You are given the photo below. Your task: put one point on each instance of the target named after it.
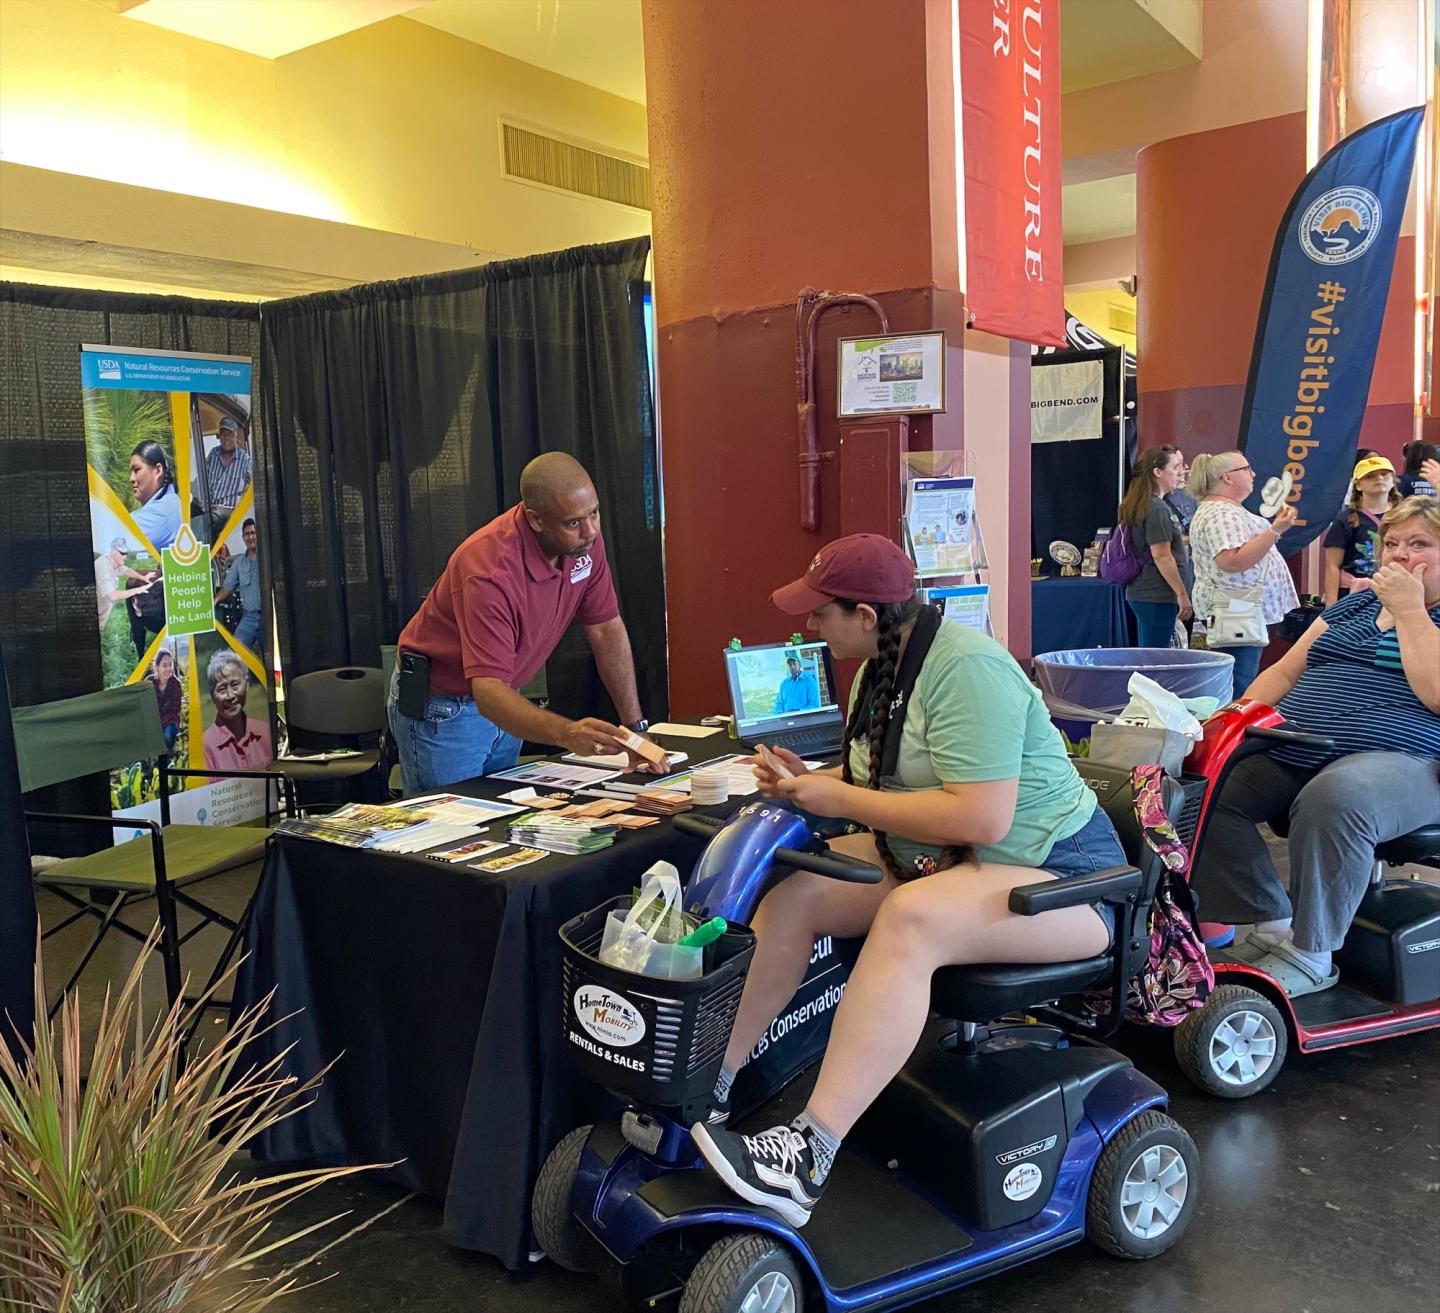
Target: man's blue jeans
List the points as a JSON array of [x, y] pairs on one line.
[[248, 631], [454, 742]]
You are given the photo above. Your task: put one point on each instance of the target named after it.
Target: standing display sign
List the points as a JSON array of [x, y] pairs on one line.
[[1008, 105], [177, 572], [1066, 402], [1319, 324]]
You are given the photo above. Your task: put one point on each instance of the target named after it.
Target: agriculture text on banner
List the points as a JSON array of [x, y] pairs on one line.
[[177, 569], [1320, 317], [1009, 127]]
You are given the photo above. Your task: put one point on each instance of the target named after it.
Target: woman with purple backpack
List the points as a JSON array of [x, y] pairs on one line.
[[1149, 553]]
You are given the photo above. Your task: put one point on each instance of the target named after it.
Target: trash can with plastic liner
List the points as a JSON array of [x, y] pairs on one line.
[[1089, 684]]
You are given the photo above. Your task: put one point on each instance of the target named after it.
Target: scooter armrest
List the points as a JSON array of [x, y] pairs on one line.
[[1112, 886], [1296, 737]]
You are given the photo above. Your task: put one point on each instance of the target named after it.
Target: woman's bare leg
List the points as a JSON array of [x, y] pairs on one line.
[[953, 917], [791, 917]]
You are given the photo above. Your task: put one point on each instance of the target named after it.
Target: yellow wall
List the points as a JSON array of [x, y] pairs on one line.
[[393, 127], [1093, 310]]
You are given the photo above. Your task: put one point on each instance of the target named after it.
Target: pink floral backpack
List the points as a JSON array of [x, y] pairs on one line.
[[1176, 976]]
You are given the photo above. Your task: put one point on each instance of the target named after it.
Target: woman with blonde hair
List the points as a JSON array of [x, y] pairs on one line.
[[1234, 548], [1366, 676]]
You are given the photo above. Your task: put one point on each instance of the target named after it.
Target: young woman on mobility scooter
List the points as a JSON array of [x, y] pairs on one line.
[[1337, 747], [979, 800]]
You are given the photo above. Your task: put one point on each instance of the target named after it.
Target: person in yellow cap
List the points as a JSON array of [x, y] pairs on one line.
[[1350, 540]]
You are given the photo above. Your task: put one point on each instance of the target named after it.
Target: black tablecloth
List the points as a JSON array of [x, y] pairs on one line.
[[438, 989]]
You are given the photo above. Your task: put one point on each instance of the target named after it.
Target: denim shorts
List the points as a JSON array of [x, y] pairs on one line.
[[1093, 847]]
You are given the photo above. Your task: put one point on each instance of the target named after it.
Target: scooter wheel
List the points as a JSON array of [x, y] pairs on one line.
[[552, 1217], [1144, 1187], [1235, 1045], [744, 1273]]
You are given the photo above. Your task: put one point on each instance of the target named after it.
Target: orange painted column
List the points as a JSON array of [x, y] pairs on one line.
[[1207, 207], [792, 146]]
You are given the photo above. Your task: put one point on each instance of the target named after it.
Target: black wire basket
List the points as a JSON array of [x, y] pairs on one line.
[[654, 1042]]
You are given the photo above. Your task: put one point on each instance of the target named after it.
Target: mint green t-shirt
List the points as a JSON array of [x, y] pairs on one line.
[[975, 717]]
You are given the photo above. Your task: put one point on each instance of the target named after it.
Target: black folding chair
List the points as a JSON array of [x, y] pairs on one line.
[[80, 736]]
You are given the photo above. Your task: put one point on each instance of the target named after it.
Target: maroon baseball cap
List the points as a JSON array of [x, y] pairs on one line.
[[863, 567]]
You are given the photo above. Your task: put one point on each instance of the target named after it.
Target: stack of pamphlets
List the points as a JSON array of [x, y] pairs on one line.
[[663, 802], [562, 834], [358, 825]]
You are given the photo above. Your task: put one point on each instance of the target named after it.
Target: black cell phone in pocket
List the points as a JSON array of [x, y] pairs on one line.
[[413, 691]]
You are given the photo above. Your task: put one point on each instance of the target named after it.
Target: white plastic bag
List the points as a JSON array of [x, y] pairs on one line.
[[642, 939], [1156, 707]]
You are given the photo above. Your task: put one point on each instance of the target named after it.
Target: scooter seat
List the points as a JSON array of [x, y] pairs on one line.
[[1422, 845], [982, 993]]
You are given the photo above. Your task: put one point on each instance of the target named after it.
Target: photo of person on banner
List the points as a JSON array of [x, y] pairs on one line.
[[223, 423], [241, 582], [238, 737]]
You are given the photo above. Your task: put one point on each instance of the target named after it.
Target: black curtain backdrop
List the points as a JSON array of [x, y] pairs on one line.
[[397, 417], [17, 895], [1075, 487]]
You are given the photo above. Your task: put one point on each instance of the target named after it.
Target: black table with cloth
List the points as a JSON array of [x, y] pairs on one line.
[[437, 987], [1078, 612]]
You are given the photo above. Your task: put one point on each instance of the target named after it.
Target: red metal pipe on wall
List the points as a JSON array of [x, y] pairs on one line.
[[816, 303]]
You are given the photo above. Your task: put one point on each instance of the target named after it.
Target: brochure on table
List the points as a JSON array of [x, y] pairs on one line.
[[557, 775]]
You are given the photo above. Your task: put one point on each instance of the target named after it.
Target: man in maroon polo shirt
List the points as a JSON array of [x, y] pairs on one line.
[[499, 608]]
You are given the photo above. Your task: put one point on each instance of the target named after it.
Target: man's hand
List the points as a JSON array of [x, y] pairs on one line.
[[643, 765], [587, 737], [1400, 591], [1186, 609]]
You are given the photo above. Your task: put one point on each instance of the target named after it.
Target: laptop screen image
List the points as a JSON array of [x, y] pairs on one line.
[[782, 687]]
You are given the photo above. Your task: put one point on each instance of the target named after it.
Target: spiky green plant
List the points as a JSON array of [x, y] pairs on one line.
[[117, 1189], [117, 420]]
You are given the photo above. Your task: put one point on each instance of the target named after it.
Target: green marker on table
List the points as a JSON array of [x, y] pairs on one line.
[[707, 932]]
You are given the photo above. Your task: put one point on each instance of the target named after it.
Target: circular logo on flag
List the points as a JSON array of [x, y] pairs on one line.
[[1340, 225]]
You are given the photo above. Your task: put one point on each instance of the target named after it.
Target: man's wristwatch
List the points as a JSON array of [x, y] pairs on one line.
[[639, 726]]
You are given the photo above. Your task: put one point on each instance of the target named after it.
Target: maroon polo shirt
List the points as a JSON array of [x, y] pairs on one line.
[[499, 607]]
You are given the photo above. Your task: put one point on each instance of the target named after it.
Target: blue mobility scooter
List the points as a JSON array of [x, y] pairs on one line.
[[998, 1142]]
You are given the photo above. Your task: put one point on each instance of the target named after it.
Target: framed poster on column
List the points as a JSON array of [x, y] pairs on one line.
[[179, 601]]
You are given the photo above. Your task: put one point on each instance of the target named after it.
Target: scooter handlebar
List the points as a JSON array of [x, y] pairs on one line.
[[702, 827], [1274, 734], [836, 865]]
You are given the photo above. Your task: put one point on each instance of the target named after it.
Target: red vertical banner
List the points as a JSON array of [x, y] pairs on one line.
[[1009, 60]]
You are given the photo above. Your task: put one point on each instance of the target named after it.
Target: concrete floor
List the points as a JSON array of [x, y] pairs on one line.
[[1321, 1195]]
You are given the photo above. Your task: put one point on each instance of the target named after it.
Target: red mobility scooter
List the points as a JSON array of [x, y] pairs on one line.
[[1389, 965]]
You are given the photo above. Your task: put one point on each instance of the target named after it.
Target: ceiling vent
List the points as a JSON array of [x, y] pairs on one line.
[[530, 156]]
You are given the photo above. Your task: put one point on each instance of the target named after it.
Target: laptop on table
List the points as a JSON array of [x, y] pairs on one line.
[[784, 695]]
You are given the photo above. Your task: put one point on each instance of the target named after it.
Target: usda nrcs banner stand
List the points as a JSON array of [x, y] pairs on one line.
[[1319, 323], [177, 570]]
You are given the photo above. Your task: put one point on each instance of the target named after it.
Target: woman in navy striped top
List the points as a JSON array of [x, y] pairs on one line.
[[1366, 675]]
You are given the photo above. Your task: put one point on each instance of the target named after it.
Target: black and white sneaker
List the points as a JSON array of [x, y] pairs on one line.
[[719, 1112], [774, 1169]]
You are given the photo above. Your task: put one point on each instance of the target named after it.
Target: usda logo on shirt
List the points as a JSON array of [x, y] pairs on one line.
[[609, 1017]]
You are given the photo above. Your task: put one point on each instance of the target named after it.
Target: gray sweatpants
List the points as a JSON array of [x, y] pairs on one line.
[[1337, 816]]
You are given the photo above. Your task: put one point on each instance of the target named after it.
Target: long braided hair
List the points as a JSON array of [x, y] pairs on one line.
[[871, 716]]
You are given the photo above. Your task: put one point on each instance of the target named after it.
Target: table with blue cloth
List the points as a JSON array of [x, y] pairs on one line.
[[1078, 612]]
